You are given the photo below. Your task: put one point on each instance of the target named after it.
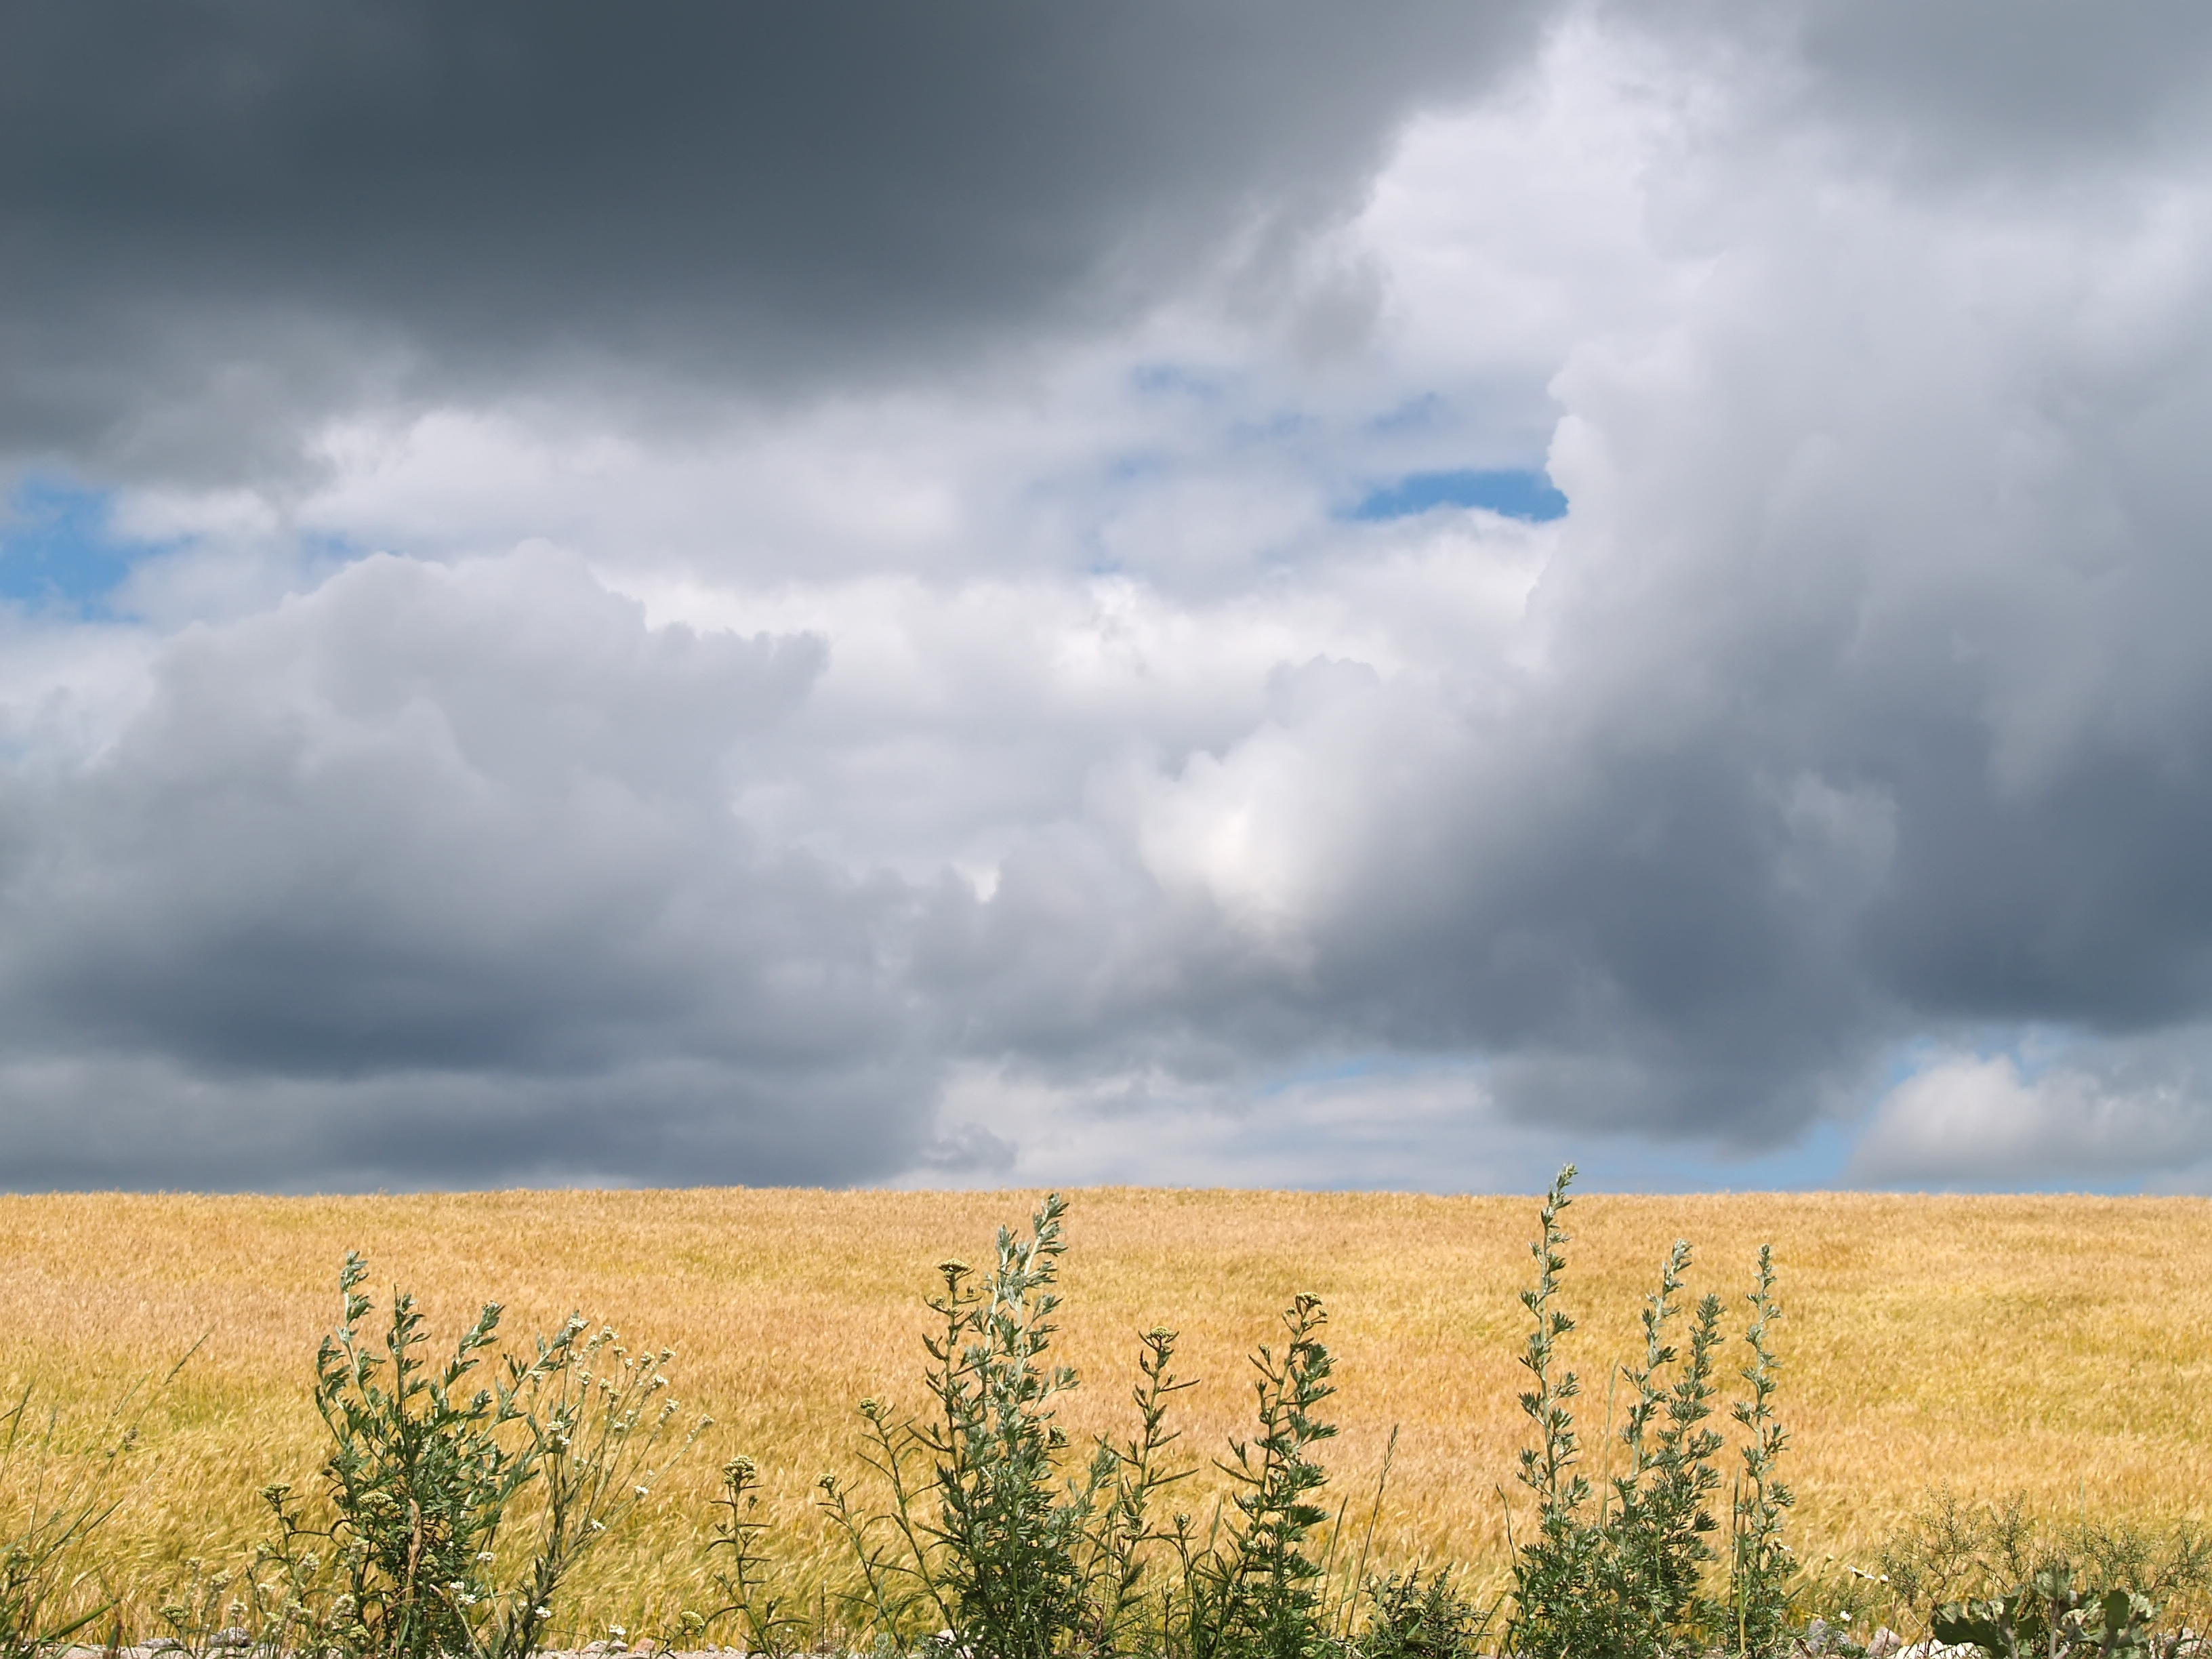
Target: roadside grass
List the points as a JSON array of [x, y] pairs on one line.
[[2055, 1349]]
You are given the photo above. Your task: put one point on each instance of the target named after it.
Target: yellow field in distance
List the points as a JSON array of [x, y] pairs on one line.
[[2058, 1346]]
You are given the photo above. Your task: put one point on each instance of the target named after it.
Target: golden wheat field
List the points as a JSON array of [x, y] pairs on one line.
[[2058, 1346]]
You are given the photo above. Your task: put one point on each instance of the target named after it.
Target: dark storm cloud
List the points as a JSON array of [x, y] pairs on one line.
[[1718, 936], [1665, 944], [98, 1122], [223, 214], [428, 877]]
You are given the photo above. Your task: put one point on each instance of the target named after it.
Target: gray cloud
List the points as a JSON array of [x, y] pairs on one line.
[[2021, 90], [426, 858], [977, 773], [232, 215], [100, 1123], [2015, 87], [1870, 704]]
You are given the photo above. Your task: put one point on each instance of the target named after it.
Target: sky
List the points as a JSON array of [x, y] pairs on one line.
[[855, 592]]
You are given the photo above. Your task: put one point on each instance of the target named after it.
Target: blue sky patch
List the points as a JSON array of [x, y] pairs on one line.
[[1516, 494], [57, 549]]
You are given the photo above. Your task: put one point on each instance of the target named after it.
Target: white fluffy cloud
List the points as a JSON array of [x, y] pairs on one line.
[[2076, 1114]]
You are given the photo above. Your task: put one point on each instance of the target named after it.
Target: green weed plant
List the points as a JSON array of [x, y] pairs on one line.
[[991, 1528], [2000, 1580], [1411, 1617], [457, 1499], [1629, 1573]]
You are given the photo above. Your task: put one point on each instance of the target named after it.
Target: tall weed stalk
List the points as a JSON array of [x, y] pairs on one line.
[[1258, 1591], [983, 1530], [1759, 1567], [1012, 1533], [1628, 1581], [1118, 1561], [1556, 1573], [743, 1573], [1655, 1539]]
